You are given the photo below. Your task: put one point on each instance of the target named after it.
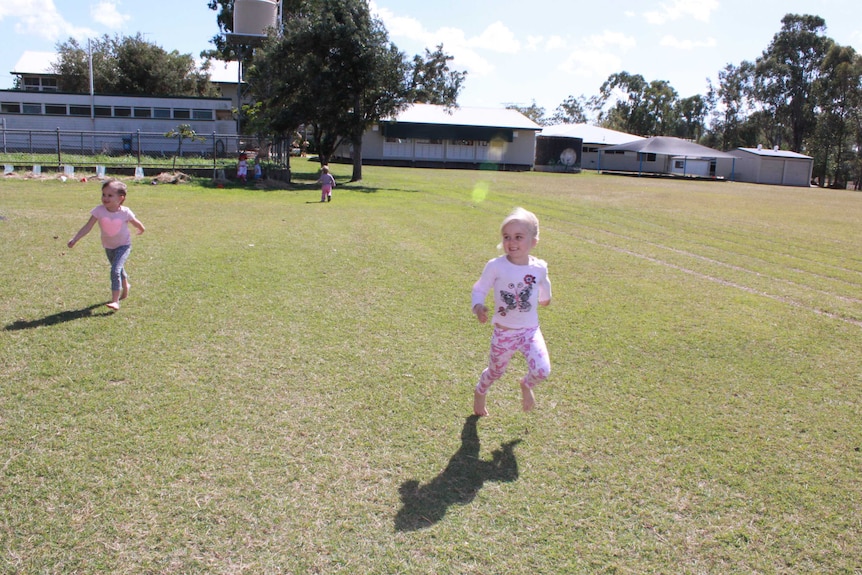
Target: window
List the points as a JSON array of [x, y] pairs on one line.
[[120, 112], [462, 142], [32, 108], [199, 114], [32, 84], [224, 115], [143, 112], [162, 113], [10, 107], [49, 84], [79, 110], [182, 113], [590, 150], [678, 164], [648, 157], [55, 109], [103, 111], [433, 141]]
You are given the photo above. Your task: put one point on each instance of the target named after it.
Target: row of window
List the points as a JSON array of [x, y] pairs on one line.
[[437, 142], [113, 111]]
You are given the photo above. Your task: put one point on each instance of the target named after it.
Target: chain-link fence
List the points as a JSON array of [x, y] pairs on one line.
[[146, 149]]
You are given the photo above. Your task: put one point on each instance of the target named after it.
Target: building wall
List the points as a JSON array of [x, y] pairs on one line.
[[377, 148], [31, 110], [767, 170]]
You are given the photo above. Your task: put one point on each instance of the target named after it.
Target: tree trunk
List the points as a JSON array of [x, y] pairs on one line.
[[357, 160]]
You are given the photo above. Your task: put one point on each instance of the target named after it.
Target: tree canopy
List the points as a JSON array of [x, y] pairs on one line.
[[129, 65]]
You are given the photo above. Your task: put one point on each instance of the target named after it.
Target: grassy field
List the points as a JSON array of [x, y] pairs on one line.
[[288, 389]]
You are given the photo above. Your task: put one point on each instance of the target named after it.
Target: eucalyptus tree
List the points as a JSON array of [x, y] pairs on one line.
[[786, 74], [432, 81], [836, 141]]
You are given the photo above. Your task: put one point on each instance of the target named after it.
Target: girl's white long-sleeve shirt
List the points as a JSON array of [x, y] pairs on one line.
[[518, 289]]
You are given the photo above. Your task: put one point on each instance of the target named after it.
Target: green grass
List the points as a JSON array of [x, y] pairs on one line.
[[288, 388]]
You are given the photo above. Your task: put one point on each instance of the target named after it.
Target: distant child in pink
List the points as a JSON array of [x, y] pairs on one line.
[[327, 182], [520, 284], [114, 219]]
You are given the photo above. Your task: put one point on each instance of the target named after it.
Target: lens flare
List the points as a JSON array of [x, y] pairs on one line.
[[480, 192]]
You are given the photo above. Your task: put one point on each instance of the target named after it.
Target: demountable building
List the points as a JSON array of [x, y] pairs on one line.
[[665, 155]]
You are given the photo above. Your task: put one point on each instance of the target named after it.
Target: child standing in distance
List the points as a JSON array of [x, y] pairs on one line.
[[242, 168], [520, 284], [327, 182], [113, 218]]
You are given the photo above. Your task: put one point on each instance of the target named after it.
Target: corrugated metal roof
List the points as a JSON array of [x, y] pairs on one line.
[[670, 146], [463, 116], [590, 134], [35, 63], [774, 153]]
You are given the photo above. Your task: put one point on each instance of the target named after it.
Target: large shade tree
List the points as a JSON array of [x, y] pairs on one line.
[[334, 70]]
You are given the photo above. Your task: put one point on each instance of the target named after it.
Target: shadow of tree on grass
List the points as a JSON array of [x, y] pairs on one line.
[[458, 483], [56, 318]]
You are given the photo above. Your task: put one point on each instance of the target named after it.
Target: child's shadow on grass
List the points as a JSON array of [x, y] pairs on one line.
[[56, 318], [464, 476]]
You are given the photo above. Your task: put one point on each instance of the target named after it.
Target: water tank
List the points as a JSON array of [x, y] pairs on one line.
[[253, 17]]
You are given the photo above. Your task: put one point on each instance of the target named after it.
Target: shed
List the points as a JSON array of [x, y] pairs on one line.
[[777, 167]]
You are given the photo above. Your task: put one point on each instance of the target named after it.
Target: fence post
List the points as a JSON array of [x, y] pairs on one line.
[[59, 152], [139, 146], [214, 150]]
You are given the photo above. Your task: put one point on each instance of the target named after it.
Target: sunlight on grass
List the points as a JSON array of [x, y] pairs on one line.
[[288, 389]]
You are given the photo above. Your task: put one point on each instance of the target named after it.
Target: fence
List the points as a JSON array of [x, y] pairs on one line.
[[147, 149]]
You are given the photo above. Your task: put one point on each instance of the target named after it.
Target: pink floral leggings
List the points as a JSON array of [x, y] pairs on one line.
[[504, 344]]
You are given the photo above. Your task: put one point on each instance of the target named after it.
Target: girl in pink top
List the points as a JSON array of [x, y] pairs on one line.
[[520, 284], [114, 220]]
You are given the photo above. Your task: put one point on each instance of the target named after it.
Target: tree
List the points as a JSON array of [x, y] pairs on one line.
[[182, 132], [432, 82], [733, 105], [839, 92], [571, 111], [129, 65], [786, 73], [691, 117], [533, 112], [336, 70]]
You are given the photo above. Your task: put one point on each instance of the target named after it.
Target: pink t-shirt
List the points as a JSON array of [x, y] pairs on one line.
[[114, 226]]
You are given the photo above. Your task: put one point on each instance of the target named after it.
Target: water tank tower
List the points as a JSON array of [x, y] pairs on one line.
[[253, 17]]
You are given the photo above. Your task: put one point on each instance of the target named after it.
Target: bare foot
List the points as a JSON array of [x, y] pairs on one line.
[[528, 400], [114, 305], [479, 404], [126, 288]]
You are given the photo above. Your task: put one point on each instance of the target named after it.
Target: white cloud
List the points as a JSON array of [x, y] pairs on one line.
[[497, 38], [108, 14], [608, 39], [591, 64], [40, 19], [533, 43], [697, 9], [673, 42], [555, 43]]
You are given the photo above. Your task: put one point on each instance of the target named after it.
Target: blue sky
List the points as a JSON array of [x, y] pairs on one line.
[[513, 51]]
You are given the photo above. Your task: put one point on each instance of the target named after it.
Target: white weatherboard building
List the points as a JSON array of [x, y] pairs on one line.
[[594, 139], [425, 135]]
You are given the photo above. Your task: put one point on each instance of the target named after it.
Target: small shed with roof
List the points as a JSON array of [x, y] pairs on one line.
[[427, 135], [772, 166]]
